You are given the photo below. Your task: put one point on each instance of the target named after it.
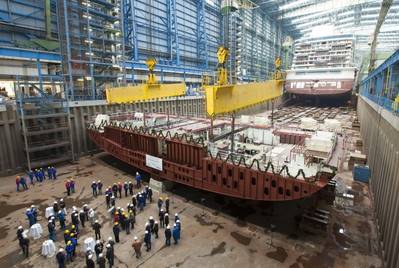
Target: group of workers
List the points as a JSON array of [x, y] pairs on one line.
[[38, 174], [121, 221]]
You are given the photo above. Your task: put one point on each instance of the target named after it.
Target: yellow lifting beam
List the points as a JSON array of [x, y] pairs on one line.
[[230, 98], [226, 98], [148, 91]]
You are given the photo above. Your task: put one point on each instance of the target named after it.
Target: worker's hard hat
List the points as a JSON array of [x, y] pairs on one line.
[[72, 234], [116, 223], [162, 209], [85, 205], [73, 226], [174, 225], [178, 221], [50, 221], [109, 238], [94, 181], [135, 238], [90, 256], [98, 242], [69, 242], [61, 250], [166, 214], [98, 181], [137, 173], [146, 232], [96, 221], [20, 227], [168, 227], [176, 214], [151, 217], [108, 246], [32, 206], [66, 232], [27, 209], [61, 199], [155, 222], [81, 211], [100, 255]]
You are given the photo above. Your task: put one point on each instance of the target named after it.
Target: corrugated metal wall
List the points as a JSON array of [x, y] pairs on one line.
[[381, 142]]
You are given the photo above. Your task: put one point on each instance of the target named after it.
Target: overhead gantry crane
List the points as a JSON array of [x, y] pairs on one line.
[[150, 90], [224, 98]]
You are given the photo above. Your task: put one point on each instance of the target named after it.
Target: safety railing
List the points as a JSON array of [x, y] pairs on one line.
[[384, 102]]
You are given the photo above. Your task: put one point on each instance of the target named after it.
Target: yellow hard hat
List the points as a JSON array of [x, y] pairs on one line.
[[116, 223], [72, 234], [66, 232], [73, 226]]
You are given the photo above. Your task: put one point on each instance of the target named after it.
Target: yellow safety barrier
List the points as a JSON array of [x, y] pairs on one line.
[[229, 98], [144, 92]]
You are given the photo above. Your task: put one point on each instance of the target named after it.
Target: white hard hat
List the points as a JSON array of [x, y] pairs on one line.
[[135, 238], [137, 173], [98, 242], [109, 238], [151, 217], [81, 211], [20, 227], [168, 227], [55, 202], [146, 232], [166, 214], [61, 199], [96, 221], [94, 181], [32, 206], [146, 224], [178, 221], [61, 250], [50, 221], [161, 209], [90, 256], [85, 205], [108, 245], [98, 181], [176, 214], [100, 255], [27, 209], [155, 222], [174, 225]]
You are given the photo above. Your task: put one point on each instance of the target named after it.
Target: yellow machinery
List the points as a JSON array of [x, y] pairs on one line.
[[227, 98], [148, 91]]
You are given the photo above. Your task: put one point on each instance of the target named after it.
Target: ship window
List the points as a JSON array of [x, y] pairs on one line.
[[241, 175], [296, 188], [287, 192], [280, 190], [266, 191], [224, 181], [230, 172], [209, 167], [213, 177], [235, 184], [253, 180], [219, 170], [274, 184]]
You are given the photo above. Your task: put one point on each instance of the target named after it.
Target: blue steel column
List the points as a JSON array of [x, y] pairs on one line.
[[130, 27], [202, 39], [173, 40], [70, 95]]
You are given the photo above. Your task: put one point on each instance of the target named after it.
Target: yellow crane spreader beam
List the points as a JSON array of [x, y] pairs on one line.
[[230, 98], [144, 92]]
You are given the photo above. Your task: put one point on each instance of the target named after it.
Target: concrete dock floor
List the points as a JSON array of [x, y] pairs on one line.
[[216, 231]]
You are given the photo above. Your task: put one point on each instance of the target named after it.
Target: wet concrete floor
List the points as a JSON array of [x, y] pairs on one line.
[[217, 231]]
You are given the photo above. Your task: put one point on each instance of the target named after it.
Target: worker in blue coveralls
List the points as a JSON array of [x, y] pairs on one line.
[[51, 230], [138, 180], [94, 188], [31, 176], [176, 233], [36, 172], [22, 181], [70, 248], [147, 240], [54, 172], [30, 217], [49, 173], [43, 174]]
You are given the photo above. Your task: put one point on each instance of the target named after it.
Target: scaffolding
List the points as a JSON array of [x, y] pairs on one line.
[[44, 117], [91, 46]]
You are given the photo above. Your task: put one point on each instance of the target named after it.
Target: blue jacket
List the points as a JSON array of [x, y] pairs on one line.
[[61, 216], [74, 241], [31, 175], [70, 248], [147, 237], [176, 233], [138, 178]]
